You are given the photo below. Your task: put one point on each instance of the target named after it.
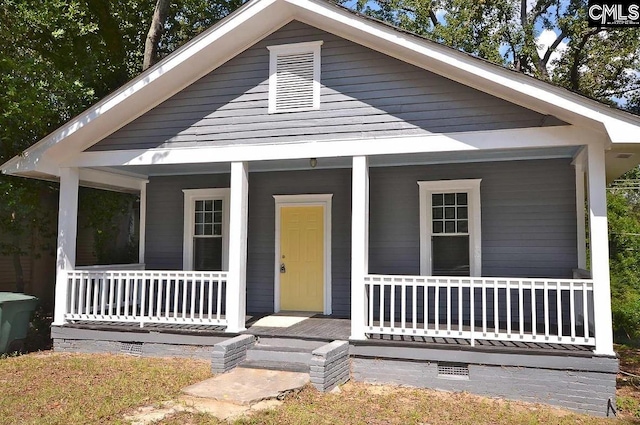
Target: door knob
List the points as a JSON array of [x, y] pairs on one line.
[[283, 269]]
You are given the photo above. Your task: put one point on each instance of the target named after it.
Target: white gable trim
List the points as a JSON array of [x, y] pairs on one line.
[[254, 21]]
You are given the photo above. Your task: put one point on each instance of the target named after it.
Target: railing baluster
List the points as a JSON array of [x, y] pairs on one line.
[[484, 307], [201, 304], [116, 277], [546, 309], [219, 300], [73, 308], [134, 296], [472, 311], [414, 306], [572, 304], [370, 289], [193, 298], [460, 306], [211, 285], [534, 318], [403, 305], [425, 305], [103, 295], [436, 307], [585, 311], [448, 307], [508, 309], [381, 304], [520, 309], [559, 310], [392, 309], [496, 317], [143, 298]]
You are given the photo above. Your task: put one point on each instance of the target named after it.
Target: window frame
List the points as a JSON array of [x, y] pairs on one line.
[[190, 198], [293, 48], [472, 188]]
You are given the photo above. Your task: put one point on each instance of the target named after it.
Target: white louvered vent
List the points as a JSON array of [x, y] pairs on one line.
[[294, 81]]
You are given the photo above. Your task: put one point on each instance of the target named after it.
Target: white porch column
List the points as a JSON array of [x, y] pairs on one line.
[[142, 221], [580, 216], [359, 244], [599, 249], [237, 281], [67, 230]]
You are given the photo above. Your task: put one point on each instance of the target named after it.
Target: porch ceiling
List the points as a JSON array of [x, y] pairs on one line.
[[346, 162]]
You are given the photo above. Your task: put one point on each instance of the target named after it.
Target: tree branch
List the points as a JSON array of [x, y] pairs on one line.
[[574, 77], [553, 47]]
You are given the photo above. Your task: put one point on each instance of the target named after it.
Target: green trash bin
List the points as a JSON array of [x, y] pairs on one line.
[[15, 312]]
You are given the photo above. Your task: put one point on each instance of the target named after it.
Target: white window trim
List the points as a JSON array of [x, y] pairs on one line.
[[299, 201], [274, 51], [190, 197], [472, 188]]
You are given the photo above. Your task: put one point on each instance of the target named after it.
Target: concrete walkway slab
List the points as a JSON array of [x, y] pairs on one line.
[[248, 386]]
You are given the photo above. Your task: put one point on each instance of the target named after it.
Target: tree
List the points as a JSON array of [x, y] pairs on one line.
[[599, 63], [57, 57]]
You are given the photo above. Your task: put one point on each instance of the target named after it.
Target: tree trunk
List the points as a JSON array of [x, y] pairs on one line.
[[155, 32]]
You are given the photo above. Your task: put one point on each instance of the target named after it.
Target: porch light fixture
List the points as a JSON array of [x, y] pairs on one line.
[[313, 162]]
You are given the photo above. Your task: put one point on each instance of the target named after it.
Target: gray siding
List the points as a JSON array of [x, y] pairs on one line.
[[364, 94], [165, 226], [528, 217], [528, 220]]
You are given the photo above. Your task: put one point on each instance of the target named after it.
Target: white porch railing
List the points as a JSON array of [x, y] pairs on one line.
[[506, 309], [146, 296]]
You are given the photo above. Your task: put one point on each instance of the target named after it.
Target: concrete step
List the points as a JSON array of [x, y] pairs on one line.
[[285, 344], [274, 354], [286, 366]]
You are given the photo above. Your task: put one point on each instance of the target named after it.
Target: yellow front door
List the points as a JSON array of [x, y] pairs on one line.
[[302, 258]]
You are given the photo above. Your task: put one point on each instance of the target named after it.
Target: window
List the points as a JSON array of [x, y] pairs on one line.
[[294, 77], [206, 222], [450, 228]]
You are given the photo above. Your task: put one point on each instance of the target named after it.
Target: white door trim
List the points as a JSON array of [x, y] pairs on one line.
[[323, 200]]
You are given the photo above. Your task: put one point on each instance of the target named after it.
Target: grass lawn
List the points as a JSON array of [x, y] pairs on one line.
[[51, 388]]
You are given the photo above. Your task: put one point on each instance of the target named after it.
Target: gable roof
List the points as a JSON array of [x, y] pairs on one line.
[[258, 18]]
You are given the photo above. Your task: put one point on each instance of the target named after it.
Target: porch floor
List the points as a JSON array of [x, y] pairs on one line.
[[329, 328]]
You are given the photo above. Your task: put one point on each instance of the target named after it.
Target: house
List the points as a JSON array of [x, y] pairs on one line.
[[425, 205]]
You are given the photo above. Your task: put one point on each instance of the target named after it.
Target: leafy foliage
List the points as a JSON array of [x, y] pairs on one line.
[[624, 247]]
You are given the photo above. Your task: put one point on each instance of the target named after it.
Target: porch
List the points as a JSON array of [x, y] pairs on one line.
[[392, 287]]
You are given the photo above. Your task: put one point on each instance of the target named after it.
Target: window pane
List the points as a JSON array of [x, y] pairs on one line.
[[461, 198], [217, 205], [462, 213], [437, 199], [199, 218], [437, 213], [208, 229], [217, 229], [217, 217], [463, 226], [199, 205], [449, 198], [450, 212], [207, 253], [450, 255], [208, 205], [449, 226], [437, 227]]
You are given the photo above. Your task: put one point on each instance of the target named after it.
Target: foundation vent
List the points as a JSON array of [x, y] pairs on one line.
[[131, 348], [453, 371]]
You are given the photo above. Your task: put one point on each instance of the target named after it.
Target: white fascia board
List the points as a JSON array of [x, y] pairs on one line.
[[226, 39], [622, 127], [447, 142]]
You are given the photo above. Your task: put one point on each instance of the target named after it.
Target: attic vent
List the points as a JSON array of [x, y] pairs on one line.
[[294, 77], [453, 371]]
